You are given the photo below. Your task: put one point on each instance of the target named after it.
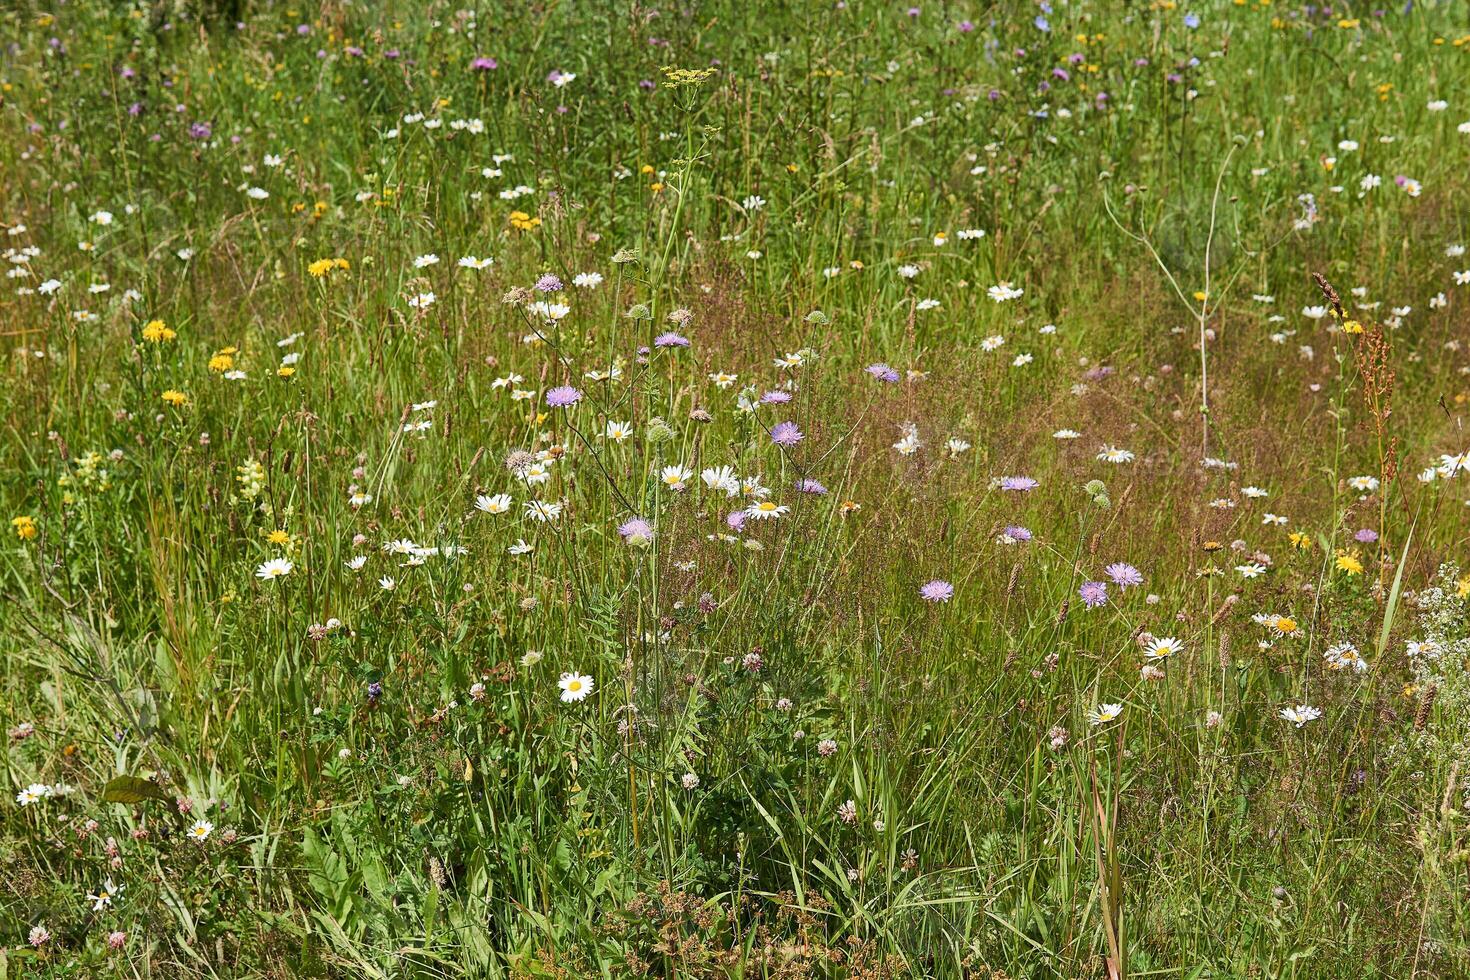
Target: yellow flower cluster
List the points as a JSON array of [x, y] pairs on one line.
[[223, 359], [322, 267], [158, 332]]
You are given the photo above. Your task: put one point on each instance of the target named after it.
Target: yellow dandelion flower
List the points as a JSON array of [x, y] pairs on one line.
[[1350, 564], [175, 398], [157, 332], [25, 527]]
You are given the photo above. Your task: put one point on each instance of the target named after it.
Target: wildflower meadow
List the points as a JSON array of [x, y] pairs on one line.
[[735, 489]]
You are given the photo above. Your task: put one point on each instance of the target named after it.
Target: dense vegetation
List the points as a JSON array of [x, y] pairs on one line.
[[733, 489]]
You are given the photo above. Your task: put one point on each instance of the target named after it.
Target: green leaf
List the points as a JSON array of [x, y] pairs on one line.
[[132, 789]]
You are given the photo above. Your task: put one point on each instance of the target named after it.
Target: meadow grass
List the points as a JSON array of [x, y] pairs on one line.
[[817, 489]]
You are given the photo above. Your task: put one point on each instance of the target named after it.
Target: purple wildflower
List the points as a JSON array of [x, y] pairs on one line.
[[776, 398], [563, 396], [201, 131], [1123, 574], [1018, 533], [670, 339], [809, 485], [1094, 594], [636, 531], [936, 591], [786, 434], [484, 64], [375, 691], [882, 372], [1019, 484], [1366, 535], [735, 520], [548, 283]]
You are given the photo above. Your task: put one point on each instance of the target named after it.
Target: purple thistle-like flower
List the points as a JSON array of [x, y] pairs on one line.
[[549, 283], [776, 398], [670, 339], [1094, 594], [882, 372], [375, 691], [200, 131], [786, 434], [1018, 533], [1018, 484], [562, 396], [809, 485], [1365, 535], [484, 64], [936, 591], [1123, 574], [636, 527], [735, 520]]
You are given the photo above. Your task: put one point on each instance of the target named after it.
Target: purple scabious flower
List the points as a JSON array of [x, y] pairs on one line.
[[776, 398], [670, 339], [1123, 574], [882, 372], [1094, 594], [562, 396], [548, 283], [484, 64], [735, 520], [808, 485], [636, 530], [1365, 535], [1018, 484], [937, 590], [201, 131], [786, 434], [1018, 533]]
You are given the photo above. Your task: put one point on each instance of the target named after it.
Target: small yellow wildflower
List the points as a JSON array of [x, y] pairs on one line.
[[25, 527], [157, 332], [521, 221], [175, 398], [1350, 564]]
